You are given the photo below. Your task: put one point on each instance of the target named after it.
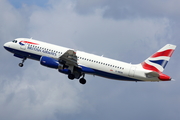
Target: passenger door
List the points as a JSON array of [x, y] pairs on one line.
[[132, 71]]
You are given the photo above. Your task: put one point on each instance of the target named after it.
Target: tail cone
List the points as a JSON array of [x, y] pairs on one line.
[[164, 77]]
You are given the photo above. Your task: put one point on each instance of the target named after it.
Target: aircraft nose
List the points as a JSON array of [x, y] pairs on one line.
[[6, 45]]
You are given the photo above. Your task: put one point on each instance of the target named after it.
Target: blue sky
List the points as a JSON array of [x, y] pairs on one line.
[[125, 30]]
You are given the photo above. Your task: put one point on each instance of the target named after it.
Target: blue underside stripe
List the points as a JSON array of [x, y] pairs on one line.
[[113, 76], [96, 72], [24, 54]]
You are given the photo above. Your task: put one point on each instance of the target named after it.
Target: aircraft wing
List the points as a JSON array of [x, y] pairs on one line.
[[69, 58]]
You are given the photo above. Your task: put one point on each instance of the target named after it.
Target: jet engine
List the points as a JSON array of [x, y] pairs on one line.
[[50, 62]]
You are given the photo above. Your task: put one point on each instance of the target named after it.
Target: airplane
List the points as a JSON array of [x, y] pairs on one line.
[[77, 63]]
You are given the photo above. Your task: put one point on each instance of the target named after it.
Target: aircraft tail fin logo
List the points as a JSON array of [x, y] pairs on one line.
[[158, 61]]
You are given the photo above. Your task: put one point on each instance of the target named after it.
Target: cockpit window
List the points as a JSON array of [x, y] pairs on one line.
[[14, 41]]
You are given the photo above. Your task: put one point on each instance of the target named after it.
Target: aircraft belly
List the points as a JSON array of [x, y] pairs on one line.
[[113, 76]]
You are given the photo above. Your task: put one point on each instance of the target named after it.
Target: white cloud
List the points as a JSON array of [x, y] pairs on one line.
[[129, 9], [41, 92], [36, 92], [63, 26]]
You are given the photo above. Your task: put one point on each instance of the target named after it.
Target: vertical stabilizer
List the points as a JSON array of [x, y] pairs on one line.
[[158, 61]]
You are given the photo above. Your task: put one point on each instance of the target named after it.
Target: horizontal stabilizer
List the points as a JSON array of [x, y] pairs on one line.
[[160, 76], [152, 74]]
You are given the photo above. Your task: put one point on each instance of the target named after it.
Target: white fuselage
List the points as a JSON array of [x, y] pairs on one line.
[[103, 66]]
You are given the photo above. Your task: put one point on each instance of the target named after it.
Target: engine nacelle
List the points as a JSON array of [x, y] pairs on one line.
[[50, 62]]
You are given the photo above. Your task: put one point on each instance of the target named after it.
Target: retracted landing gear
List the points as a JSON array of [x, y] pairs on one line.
[[21, 64]]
